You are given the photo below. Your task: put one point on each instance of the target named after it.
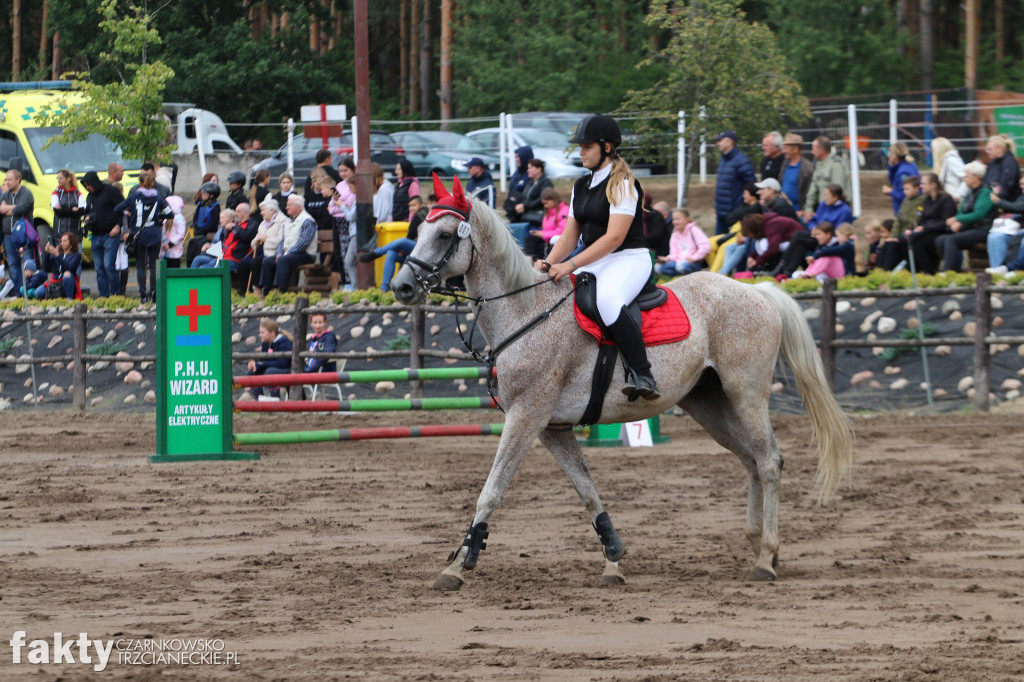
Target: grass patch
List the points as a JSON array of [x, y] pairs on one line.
[[107, 348]]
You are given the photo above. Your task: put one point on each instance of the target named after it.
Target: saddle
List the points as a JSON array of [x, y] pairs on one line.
[[663, 320]]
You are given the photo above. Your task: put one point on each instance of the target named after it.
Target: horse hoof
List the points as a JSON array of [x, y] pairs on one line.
[[448, 583], [761, 575], [612, 575]]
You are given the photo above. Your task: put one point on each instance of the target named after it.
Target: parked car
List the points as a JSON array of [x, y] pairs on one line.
[[549, 146], [442, 152], [383, 150]]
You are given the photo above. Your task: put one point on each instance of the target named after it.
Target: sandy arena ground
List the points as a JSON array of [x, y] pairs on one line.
[[315, 562]]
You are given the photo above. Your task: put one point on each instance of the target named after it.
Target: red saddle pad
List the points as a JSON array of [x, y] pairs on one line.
[[667, 323]]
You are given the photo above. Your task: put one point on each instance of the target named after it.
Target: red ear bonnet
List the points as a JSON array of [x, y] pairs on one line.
[[453, 203]]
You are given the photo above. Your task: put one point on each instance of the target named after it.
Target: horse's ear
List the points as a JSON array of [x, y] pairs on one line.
[[457, 193], [440, 191]]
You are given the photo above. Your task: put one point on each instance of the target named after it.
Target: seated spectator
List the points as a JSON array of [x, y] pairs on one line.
[[948, 166], [529, 211], [66, 261], [260, 188], [721, 242], [396, 251], [207, 258], [268, 235], [971, 224], [767, 237], [909, 214], [833, 208], [1002, 175], [1005, 236], [901, 167], [323, 340], [34, 279], [658, 228], [297, 247], [891, 253], [834, 259], [236, 189], [287, 184], [556, 213], [277, 344], [687, 248], [772, 200], [938, 207]]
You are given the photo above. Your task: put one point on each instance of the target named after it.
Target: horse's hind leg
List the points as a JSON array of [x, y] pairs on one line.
[[743, 426], [566, 450]]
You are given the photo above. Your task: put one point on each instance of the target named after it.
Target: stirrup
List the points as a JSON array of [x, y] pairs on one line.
[[640, 386]]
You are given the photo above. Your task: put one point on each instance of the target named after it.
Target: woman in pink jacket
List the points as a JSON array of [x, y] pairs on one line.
[[687, 247]]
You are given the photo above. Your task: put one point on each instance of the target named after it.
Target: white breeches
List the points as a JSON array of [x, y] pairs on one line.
[[620, 277]]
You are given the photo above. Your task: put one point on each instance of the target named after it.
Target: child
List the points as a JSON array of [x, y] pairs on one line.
[[873, 235], [909, 215], [687, 247], [278, 345], [322, 340], [33, 280], [892, 248], [174, 233], [835, 258]]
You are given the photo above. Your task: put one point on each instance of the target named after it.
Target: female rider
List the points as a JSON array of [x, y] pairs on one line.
[[605, 210]]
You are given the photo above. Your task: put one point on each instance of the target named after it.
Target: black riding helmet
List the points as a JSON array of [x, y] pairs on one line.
[[598, 128], [211, 188]]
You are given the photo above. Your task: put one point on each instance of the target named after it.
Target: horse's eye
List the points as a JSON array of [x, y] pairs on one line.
[[444, 235]]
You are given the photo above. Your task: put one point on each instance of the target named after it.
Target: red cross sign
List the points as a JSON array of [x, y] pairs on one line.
[[193, 310]]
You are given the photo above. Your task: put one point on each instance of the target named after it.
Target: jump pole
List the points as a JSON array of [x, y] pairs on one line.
[[370, 433], [362, 376], [391, 405]]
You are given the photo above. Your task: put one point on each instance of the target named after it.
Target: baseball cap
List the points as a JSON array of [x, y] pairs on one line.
[[731, 134], [769, 183], [475, 161]]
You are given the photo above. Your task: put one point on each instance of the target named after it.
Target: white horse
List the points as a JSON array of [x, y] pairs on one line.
[[720, 375]]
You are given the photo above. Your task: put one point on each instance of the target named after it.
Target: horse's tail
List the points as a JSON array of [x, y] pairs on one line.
[[831, 427]]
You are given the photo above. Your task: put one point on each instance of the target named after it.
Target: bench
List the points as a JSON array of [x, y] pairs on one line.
[[316, 276], [977, 258]]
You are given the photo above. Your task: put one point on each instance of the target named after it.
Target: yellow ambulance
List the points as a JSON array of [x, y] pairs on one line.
[[21, 147]]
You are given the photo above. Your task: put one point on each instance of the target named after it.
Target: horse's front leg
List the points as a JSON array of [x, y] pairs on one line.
[[566, 450], [517, 436]]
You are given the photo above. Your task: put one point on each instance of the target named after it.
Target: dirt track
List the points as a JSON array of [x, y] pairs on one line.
[[315, 562]]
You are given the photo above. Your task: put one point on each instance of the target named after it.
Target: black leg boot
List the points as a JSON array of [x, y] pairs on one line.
[[626, 334]]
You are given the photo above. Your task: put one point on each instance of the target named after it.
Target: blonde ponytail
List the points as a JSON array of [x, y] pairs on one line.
[[620, 172]]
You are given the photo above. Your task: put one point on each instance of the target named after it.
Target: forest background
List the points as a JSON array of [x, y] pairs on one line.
[[259, 61]]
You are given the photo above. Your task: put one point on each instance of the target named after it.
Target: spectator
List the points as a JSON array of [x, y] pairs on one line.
[[148, 211], [322, 340], [1005, 236], [720, 243], [205, 220], [351, 242], [828, 170], [556, 212], [900, 168], [216, 248], [16, 202], [260, 189], [530, 210], [834, 259], [277, 344], [297, 247], [341, 207], [481, 184], [772, 200], [688, 248], [772, 157], [949, 167], [891, 249], [832, 208], [406, 188], [164, 178], [734, 172], [323, 161], [208, 177], [236, 189], [316, 203], [257, 144], [657, 228], [66, 263], [517, 183], [287, 184], [796, 172], [268, 236], [766, 235], [106, 231], [396, 251], [68, 206], [938, 207], [383, 195], [174, 234], [971, 223], [1003, 175], [34, 279], [115, 172], [909, 214], [238, 244]]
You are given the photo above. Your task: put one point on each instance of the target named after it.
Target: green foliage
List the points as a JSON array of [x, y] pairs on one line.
[[107, 348], [126, 110], [7, 344], [892, 353], [853, 47], [400, 342], [717, 60]]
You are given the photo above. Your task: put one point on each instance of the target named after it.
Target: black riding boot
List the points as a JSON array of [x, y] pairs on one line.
[[626, 334]]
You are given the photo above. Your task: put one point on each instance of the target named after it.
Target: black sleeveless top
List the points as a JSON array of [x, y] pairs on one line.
[[591, 209]]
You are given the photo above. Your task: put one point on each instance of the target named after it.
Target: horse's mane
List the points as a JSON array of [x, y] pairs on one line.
[[516, 269]]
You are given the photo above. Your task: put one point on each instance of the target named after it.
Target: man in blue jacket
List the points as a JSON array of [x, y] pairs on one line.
[[481, 184], [734, 171]]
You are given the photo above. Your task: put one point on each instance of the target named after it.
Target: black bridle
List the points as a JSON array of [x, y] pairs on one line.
[[431, 281]]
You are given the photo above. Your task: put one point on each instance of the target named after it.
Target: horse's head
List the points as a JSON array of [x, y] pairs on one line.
[[444, 247]]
